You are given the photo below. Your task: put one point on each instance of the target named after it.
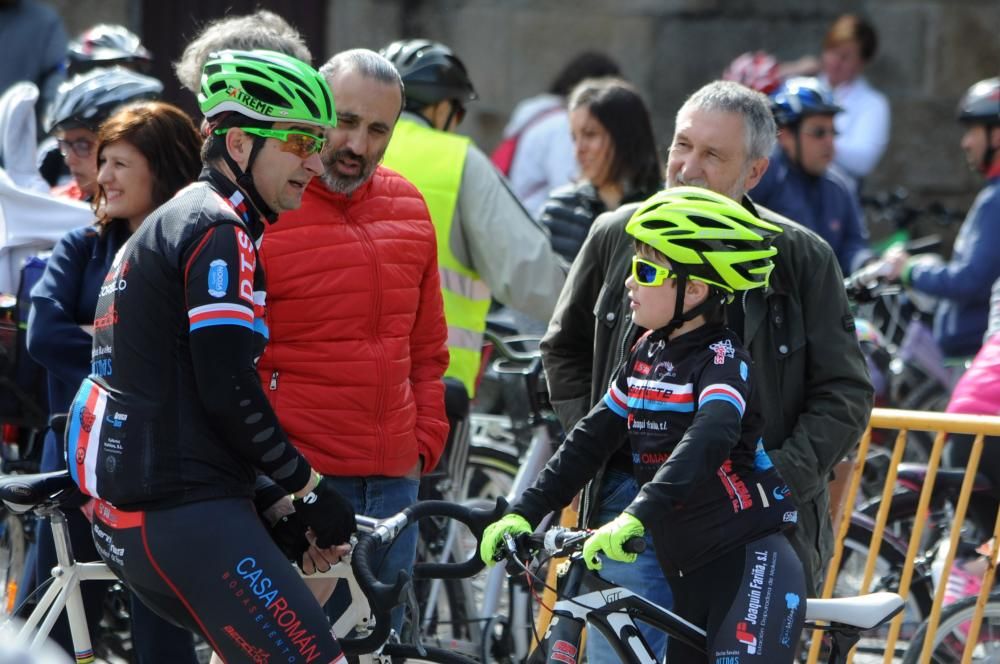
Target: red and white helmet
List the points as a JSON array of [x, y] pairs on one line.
[[757, 70]]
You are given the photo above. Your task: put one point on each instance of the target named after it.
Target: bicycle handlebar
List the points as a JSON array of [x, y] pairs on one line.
[[555, 541], [383, 597]]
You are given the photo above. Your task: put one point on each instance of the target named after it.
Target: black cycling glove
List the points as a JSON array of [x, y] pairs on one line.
[[328, 513], [289, 533]]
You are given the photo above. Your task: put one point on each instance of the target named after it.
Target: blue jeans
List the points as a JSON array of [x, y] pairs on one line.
[[643, 577], [379, 497]]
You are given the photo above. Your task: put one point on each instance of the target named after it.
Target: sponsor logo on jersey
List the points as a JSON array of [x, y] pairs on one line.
[[112, 286], [744, 636], [722, 350], [109, 319], [277, 619], [641, 367], [792, 602], [790, 517], [117, 420], [86, 419], [665, 370], [248, 263], [218, 278]]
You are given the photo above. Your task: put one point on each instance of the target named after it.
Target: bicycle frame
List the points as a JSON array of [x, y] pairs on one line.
[[610, 609], [64, 594]]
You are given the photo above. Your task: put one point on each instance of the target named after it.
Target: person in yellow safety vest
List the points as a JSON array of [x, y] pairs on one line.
[[488, 245]]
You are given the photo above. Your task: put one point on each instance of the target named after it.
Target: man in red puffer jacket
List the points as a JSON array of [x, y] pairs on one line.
[[357, 330]]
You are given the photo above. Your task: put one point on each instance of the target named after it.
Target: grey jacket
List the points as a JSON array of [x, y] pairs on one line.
[[815, 388]]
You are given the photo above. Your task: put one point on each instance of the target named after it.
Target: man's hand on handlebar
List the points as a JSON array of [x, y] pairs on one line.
[[610, 540], [328, 514]]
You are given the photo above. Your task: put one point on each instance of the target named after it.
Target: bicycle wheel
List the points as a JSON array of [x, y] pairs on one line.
[[888, 571], [401, 652], [494, 457], [952, 633], [13, 551]]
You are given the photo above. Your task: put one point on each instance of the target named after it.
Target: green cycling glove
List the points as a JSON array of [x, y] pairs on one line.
[[515, 524], [610, 538]]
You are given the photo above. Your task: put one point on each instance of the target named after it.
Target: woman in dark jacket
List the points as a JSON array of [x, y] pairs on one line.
[[146, 152], [616, 152]]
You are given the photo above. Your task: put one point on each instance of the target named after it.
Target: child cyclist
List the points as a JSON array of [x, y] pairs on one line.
[[712, 501]]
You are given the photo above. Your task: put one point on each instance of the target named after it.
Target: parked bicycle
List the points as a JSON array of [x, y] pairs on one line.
[[487, 616]]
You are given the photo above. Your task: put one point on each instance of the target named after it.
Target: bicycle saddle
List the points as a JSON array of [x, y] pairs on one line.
[[23, 493], [863, 612]]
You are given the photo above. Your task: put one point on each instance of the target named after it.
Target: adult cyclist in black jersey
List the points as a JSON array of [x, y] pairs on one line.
[[710, 497], [171, 432]]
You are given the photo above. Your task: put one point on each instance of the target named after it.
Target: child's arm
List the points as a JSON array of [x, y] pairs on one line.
[[578, 459]]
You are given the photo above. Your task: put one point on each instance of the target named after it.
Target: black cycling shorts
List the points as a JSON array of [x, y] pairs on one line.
[[752, 602], [212, 568]]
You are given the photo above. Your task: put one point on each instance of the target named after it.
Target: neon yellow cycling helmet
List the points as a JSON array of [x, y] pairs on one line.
[[265, 85], [708, 237]]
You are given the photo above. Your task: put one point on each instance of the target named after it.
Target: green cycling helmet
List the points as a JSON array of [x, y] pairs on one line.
[[265, 85], [708, 237]]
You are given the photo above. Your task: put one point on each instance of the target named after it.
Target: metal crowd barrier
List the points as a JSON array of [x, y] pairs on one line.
[[942, 425]]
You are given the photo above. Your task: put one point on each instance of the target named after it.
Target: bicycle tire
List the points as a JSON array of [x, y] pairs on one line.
[[948, 640], [491, 471], [402, 652]]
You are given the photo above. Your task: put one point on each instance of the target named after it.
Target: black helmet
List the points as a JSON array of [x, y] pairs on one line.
[[89, 99], [104, 45], [431, 72], [799, 97], [981, 103]]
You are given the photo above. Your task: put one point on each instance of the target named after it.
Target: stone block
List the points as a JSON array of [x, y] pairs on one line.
[[901, 63], [361, 24], [964, 48]]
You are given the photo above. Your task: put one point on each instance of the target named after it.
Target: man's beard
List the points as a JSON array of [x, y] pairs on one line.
[[736, 193], [347, 184]]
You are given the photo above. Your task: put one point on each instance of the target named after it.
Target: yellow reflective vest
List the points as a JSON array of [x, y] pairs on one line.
[[433, 161]]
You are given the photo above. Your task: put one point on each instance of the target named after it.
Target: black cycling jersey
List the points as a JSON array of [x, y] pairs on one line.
[[694, 425], [173, 411]]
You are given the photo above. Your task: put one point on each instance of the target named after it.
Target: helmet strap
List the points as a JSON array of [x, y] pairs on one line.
[[991, 151], [244, 179], [715, 298]]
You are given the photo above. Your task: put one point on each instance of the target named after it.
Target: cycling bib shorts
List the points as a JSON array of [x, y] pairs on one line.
[[212, 567]]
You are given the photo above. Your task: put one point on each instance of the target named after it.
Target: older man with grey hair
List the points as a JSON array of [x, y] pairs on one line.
[[260, 30], [814, 385], [358, 336]]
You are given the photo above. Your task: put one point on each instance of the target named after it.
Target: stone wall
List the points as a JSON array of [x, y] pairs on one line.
[[931, 51]]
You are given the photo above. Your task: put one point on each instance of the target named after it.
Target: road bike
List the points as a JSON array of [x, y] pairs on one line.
[[585, 597], [367, 618]]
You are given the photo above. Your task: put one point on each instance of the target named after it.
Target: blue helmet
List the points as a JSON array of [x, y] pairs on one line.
[[799, 97]]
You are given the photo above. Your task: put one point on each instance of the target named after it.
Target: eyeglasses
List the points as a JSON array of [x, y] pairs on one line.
[[81, 147], [819, 133], [646, 273], [299, 143]]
